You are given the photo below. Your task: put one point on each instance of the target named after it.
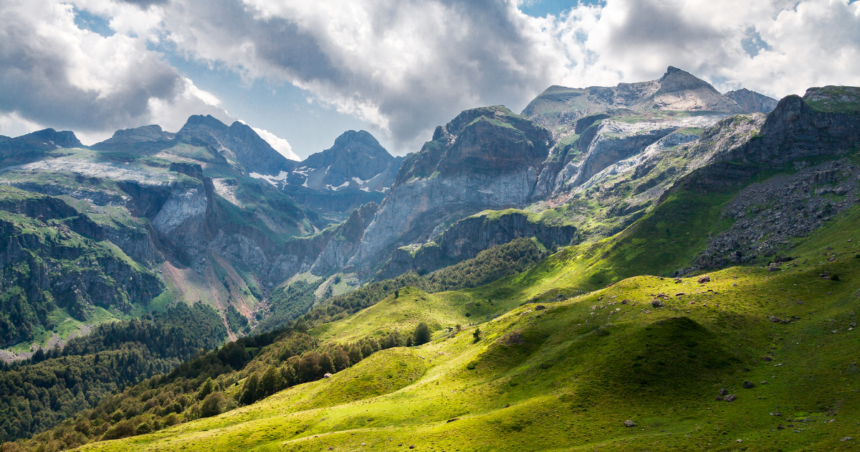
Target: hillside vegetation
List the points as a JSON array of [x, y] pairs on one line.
[[718, 314], [556, 362]]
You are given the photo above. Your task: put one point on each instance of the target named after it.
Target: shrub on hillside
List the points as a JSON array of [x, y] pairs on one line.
[[213, 405], [421, 335]]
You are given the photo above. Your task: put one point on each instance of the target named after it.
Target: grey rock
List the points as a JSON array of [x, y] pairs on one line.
[[751, 101], [468, 237]]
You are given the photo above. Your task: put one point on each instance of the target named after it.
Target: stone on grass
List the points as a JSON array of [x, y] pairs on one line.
[[730, 398], [704, 279], [724, 391], [748, 385], [629, 423], [656, 303]]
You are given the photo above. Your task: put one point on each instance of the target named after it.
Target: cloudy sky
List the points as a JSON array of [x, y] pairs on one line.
[[302, 72]]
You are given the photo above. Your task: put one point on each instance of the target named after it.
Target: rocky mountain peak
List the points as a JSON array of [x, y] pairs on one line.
[[751, 101], [42, 140], [237, 143], [353, 148], [356, 161], [65, 139], [676, 90], [202, 122], [140, 134], [483, 140], [834, 99], [679, 80]]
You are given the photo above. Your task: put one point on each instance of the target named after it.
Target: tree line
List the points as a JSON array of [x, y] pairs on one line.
[[38, 393], [489, 265]]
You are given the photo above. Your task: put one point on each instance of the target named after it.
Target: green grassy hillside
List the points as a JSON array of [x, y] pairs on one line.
[[565, 373]]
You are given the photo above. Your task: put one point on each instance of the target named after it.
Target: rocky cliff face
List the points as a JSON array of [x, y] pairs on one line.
[[468, 237], [357, 170], [53, 257], [345, 241], [677, 90], [751, 101], [484, 159], [31, 147]]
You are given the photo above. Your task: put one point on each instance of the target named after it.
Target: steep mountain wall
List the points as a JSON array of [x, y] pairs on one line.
[[468, 237], [483, 159]]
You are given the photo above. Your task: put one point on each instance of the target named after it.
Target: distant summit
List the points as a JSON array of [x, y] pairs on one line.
[[356, 161], [676, 91], [237, 143], [751, 101], [27, 147]]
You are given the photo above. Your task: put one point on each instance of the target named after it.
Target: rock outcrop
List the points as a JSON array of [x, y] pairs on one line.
[[52, 256], [31, 147], [766, 217], [345, 241], [357, 170], [677, 90], [751, 101], [484, 159], [468, 237]]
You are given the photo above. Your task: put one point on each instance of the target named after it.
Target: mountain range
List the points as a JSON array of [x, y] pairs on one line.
[[222, 218], [573, 202]]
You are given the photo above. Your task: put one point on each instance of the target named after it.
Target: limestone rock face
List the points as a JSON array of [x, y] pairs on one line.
[[483, 159], [677, 90], [468, 237], [797, 130], [143, 134], [751, 101], [357, 170], [610, 143], [345, 240], [238, 143], [30, 147]]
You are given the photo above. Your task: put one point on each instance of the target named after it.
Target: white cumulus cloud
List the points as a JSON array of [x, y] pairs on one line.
[[279, 144], [403, 66]]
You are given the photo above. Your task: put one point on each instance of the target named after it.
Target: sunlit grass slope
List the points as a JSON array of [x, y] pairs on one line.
[[567, 376]]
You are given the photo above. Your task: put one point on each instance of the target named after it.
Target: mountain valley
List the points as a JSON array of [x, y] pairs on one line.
[[650, 266]]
